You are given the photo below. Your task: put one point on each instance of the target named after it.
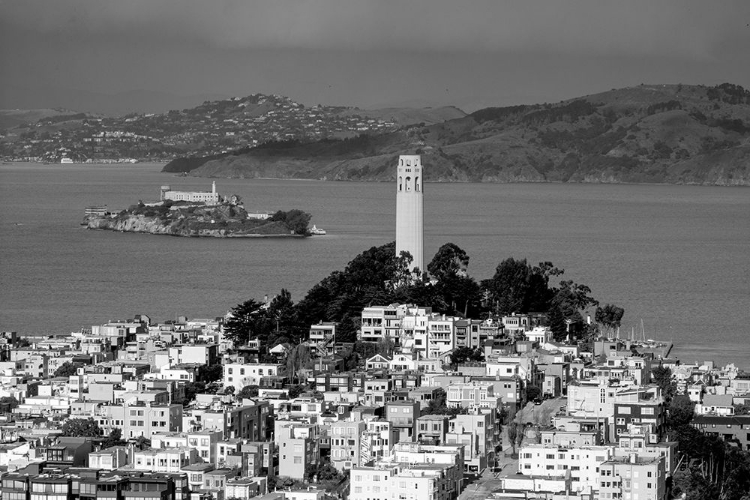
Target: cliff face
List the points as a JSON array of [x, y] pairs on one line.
[[154, 225], [677, 134]]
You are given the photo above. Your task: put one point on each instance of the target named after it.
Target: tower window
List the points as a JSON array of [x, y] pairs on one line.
[[400, 183], [408, 182], [416, 183]]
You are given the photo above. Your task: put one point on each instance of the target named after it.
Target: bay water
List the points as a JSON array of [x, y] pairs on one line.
[[677, 258]]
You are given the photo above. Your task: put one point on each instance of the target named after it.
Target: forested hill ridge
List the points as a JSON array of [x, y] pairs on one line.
[[681, 134]]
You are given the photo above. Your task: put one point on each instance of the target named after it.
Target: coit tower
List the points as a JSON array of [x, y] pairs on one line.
[[409, 208]]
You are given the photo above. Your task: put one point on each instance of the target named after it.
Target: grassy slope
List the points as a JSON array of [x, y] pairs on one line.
[[10, 118], [649, 133]]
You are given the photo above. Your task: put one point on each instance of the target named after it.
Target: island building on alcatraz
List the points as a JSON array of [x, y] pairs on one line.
[[409, 209], [208, 197]]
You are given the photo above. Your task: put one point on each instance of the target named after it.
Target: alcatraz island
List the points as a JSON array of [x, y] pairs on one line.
[[200, 214]]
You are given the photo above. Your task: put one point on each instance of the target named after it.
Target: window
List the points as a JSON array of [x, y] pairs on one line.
[[297, 460]]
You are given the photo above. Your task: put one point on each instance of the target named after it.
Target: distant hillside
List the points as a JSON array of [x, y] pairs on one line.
[[409, 116], [15, 117], [211, 130], [680, 134]]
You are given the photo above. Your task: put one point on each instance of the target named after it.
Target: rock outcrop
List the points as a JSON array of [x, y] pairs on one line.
[[156, 225]]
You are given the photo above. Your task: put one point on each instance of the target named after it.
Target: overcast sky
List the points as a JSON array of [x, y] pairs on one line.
[[471, 54]]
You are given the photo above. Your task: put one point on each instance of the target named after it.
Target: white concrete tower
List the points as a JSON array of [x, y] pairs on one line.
[[409, 208]]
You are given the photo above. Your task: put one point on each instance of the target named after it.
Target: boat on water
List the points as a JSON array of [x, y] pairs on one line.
[[317, 231]]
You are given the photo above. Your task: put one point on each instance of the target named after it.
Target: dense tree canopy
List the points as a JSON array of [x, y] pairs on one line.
[[81, 427], [249, 391], [459, 293], [208, 374], [67, 369], [662, 376], [244, 322], [610, 317], [517, 287], [295, 220], [438, 405], [378, 276], [272, 324], [464, 354]]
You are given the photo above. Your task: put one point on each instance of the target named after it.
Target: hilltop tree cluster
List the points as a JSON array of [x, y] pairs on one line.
[[379, 276]]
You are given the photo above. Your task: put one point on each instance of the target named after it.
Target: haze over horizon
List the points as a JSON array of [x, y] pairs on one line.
[[146, 55]]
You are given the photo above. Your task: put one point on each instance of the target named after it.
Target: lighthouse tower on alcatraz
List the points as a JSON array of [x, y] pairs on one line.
[[409, 208]]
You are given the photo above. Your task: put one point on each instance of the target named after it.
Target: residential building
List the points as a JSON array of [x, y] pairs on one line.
[[296, 451], [322, 337], [634, 477], [239, 375], [403, 416], [730, 427], [345, 443], [204, 442], [582, 464]]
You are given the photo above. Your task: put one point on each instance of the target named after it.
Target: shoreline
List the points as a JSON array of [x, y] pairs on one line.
[[227, 236]]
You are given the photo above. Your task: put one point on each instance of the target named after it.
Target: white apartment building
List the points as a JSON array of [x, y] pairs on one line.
[[170, 460], [203, 442], [381, 322], [412, 472], [633, 478], [239, 375], [323, 337], [371, 483], [591, 398], [523, 367], [438, 337], [581, 463], [475, 394], [345, 443], [375, 443], [476, 431], [637, 441]]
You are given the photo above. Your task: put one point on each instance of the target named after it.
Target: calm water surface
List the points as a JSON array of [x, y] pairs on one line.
[[675, 257]]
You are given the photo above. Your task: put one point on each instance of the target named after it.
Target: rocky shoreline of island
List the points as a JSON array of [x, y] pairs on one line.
[[200, 214]]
